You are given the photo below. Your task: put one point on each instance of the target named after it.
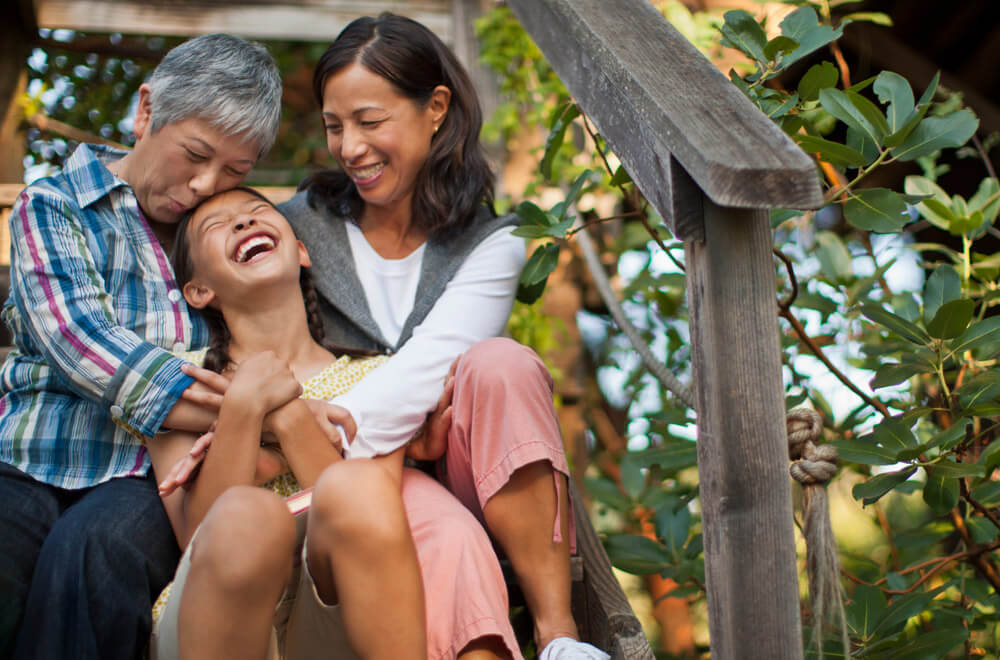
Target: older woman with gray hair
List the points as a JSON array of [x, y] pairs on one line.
[[95, 313]]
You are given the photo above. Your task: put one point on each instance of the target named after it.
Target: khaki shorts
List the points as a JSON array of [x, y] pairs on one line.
[[304, 626]]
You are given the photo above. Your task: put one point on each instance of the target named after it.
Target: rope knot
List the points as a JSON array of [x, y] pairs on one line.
[[814, 464]]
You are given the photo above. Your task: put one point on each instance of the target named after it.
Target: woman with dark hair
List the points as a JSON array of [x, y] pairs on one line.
[[410, 259]]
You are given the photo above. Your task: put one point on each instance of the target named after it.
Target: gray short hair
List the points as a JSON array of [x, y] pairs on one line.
[[230, 82]]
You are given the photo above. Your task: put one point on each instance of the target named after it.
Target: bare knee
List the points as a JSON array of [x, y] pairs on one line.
[[248, 535], [356, 502]]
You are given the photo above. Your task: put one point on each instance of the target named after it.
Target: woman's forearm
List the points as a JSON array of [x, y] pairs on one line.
[[303, 442]]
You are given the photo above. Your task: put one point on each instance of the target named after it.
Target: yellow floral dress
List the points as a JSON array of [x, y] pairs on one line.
[[340, 376]]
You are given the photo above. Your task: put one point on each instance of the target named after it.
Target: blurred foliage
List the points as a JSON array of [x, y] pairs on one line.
[[920, 444], [89, 82]]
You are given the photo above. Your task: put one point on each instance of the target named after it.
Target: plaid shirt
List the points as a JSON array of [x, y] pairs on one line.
[[95, 311]]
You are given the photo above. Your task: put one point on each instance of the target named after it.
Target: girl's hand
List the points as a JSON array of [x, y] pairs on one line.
[[186, 469], [262, 383], [431, 440]]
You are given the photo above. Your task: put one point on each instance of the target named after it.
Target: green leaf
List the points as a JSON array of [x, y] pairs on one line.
[[894, 435], [943, 286], [976, 335], [871, 112], [872, 490], [832, 152], [935, 133], [918, 185], [866, 609], [894, 89], [541, 264], [860, 143], [742, 32], [636, 554], [843, 106], [981, 530], [819, 76], [892, 373], [606, 492], [581, 181], [673, 527], [902, 609], [677, 456], [877, 209], [896, 324], [531, 215], [834, 259], [940, 490], [621, 177], [854, 450], [779, 45], [979, 390], [529, 293], [933, 644], [951, 469], [876, 17], [803, 26], [556, 136], [951, 319], [987, 494], [633, 479], [987, 199]]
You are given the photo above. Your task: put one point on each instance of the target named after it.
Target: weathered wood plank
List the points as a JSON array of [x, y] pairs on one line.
[[305, 20], [750, 563], [600, 607], [653, 94]]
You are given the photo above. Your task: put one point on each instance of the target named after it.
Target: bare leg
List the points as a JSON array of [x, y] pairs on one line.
[[360, 554], [485, 648], [521, 516], [240, 562]]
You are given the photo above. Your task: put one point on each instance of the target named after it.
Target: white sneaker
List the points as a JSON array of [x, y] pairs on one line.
[[567, 648]]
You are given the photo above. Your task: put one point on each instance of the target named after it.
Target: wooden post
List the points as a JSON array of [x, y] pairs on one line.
[[698, 149], [750, 563]]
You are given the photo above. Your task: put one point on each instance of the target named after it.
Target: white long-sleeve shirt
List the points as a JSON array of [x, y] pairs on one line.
[[391, 403]]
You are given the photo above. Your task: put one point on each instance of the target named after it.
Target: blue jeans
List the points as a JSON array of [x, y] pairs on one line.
[[80, 569]]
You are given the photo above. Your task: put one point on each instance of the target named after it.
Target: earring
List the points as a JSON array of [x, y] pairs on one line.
[[436, 128]]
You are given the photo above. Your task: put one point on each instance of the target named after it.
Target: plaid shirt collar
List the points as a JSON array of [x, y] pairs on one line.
[[87, 171]]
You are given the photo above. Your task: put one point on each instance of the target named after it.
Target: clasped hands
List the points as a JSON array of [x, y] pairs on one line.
[[264, 385]]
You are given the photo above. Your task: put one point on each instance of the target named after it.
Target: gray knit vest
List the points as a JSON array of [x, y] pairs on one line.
[[346, 317]]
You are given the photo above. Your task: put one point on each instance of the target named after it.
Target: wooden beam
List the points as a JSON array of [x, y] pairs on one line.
[[653, 95], [302, 20], [750, 562]]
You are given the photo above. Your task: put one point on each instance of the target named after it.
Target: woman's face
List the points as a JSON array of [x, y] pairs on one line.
[[239, 242], [378, 136]]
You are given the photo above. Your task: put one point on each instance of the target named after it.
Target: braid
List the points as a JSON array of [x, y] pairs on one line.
[[311, 299], [217, 356]]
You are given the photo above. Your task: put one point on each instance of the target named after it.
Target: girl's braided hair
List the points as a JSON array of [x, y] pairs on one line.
[[217, 357]]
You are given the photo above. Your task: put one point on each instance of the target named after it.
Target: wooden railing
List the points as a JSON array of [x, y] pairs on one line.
[[711, 164]]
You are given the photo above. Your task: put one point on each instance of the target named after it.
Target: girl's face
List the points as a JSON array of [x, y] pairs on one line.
[[238, 243], [378, 136]]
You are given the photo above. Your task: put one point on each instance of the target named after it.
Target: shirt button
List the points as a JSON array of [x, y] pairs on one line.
[[174, 296], [117, 412], [179, 347]]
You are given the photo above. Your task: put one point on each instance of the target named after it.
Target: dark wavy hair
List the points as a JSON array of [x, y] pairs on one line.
[[217, 356], [456, 179]]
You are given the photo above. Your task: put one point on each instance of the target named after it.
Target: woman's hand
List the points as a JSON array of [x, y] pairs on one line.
[[431, 441], [208, 389], [330, 417]]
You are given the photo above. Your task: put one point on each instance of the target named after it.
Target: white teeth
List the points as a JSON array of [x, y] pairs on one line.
[[255, 241], [368, 172]]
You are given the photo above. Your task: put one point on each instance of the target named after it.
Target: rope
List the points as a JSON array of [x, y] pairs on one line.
[[813, 466]]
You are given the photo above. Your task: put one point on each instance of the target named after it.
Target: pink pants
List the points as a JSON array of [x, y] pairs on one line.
[[503, 419]]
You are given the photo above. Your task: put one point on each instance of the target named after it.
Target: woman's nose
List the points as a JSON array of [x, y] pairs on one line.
[[352, 146]]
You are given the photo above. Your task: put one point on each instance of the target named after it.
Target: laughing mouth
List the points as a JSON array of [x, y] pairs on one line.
[[364, 173], [253, 246]]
